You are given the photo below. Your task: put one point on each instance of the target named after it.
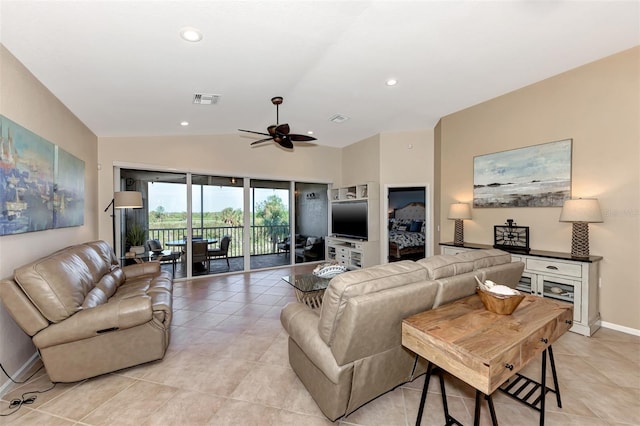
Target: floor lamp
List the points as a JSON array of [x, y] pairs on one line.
[[123, 200]]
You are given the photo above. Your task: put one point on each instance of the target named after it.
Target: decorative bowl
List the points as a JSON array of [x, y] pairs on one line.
[[329, 271], [499, 303]]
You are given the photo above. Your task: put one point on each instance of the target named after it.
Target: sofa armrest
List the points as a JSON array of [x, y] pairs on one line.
[[118, 314], [139, 269], [21, 308], [301, 322]]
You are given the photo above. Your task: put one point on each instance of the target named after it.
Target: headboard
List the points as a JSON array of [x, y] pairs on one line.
[[412, 211]]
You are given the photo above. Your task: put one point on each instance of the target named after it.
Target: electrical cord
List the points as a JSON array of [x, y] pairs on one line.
[[23, 400]]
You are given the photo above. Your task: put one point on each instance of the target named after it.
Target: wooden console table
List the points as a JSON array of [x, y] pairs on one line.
[[485, 349]]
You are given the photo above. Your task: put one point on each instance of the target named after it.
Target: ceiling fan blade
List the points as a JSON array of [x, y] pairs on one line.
[[301, 138], [283, 128], [251, 131], [272, 129], [261, 141], [285, 142]]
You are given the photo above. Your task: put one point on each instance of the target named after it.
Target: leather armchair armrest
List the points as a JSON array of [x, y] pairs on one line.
[[301, 322], [139, 269], [118, 314]]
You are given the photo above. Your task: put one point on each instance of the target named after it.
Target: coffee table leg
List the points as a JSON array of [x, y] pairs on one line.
[[425, 388]]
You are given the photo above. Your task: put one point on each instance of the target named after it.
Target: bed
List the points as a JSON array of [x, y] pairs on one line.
[[407, 232]]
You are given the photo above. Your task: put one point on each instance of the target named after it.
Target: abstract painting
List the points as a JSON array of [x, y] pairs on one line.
[[68, 197], [534, 176], [41, 185]]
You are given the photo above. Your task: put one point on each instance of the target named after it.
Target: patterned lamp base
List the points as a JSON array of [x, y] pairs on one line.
[[458, 235], [580, 240]]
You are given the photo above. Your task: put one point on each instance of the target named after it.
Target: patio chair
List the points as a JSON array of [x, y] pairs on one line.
[[223, 251], [161, 255], [199, 254]]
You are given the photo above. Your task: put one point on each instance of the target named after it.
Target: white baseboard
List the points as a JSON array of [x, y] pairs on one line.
[[18, 373], [628, 330]]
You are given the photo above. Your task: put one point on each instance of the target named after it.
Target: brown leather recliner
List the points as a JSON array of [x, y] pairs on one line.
[[88, 316]]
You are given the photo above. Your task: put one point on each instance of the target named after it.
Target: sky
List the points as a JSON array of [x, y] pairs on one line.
[[173, 197]]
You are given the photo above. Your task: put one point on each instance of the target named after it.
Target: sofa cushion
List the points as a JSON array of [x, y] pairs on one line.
[[485, 258], [57, 285], [445, 265], [359, 282]]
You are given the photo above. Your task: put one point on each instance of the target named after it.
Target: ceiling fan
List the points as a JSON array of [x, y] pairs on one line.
[[279, 133]]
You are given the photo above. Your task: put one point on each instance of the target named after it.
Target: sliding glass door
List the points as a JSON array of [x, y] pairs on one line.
[[217, 224]]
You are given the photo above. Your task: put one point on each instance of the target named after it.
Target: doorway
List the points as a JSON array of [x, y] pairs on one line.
[[408, 227]]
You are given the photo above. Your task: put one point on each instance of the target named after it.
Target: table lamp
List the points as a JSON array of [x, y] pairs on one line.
[[459, 212], [580, 212]]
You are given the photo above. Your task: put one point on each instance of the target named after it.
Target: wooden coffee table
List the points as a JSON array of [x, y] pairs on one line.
[[309, 288], [485, 349]]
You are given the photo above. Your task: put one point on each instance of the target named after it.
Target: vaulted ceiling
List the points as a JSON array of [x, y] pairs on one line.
[[122, 68]]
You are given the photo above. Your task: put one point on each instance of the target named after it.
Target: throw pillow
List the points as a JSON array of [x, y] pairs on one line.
[[415, 226]]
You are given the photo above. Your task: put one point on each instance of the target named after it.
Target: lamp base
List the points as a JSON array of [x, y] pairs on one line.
[[458, 234], [580, 240]]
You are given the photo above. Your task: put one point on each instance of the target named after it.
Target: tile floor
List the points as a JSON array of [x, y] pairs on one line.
[[227, 365]]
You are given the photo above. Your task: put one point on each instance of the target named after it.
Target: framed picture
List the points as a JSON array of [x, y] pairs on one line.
[[535, 176], [511, 237]]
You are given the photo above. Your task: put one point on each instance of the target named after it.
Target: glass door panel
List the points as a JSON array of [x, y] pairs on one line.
[[311, 221], [218, 218], [163, 217], [269, 223]]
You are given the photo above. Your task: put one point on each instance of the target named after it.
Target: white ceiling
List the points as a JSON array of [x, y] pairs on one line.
[[122, 68]]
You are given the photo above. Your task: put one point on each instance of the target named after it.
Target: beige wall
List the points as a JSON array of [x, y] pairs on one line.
[[224, 155], [361, 162], [28, 103], [407, 159], [596, 105]]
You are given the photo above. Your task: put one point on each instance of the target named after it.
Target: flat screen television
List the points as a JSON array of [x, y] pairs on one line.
[[349, 219]]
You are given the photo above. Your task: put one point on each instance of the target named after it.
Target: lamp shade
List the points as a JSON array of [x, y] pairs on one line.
[[581, 210], [127, 200], [459, 211]]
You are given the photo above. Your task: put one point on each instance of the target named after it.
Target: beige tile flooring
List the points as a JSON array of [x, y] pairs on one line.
[[227, 365]]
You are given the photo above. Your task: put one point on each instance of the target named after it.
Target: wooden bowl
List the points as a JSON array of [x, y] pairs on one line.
[[498, 303]]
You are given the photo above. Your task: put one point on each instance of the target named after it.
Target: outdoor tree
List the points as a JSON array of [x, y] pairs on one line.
[[231, 216], [273, 213], [158, 213]]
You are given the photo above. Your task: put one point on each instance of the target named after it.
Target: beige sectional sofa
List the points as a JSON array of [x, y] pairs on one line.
[[350, 351], [88, 316]]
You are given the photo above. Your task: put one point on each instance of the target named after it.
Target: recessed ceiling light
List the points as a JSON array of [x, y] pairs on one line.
[[392, 82], [191, 34], [310, 132], [184, 123]]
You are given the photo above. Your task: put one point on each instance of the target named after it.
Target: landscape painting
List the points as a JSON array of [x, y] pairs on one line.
[[535, 176]]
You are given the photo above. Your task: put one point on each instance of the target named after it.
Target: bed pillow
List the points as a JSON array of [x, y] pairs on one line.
[[415, 226]]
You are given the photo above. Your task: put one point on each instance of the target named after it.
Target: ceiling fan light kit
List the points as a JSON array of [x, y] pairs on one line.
[[279, 133]]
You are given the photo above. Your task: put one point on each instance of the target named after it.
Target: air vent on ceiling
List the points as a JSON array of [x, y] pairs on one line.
[[338, 118], [205, 99]]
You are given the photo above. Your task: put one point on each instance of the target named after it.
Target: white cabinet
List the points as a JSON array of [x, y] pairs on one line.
[[353, 254], [365, 191], [558, 276], [350, 252]]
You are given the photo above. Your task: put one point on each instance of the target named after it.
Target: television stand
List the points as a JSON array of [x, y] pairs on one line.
[[352, 253]]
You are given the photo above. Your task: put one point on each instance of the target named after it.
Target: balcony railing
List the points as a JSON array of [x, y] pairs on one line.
[[263, 239]]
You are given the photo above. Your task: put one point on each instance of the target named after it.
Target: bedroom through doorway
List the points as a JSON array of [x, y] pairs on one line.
[[407, 223]]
